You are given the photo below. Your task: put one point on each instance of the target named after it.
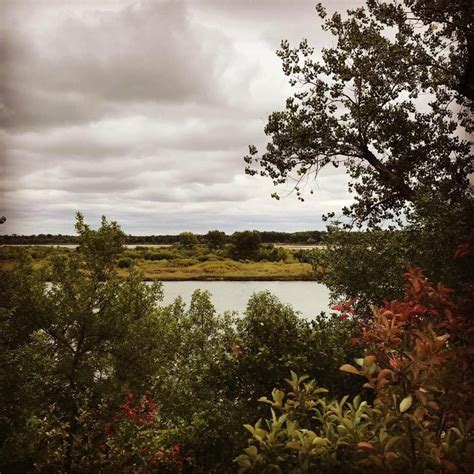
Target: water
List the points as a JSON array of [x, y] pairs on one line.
[[307, 297]]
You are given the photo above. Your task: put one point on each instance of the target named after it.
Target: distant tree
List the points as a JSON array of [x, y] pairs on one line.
[[246, 244], [358, 105], [215, 239], [187, 239]]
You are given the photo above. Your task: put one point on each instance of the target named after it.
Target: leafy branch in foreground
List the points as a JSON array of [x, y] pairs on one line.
[[417, 363]]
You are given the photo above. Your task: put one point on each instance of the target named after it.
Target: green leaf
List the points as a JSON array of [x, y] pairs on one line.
[[405, 404], [249, 428], [252, 451]]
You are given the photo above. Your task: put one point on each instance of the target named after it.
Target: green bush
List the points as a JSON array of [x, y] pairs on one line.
[[161, 254], [124, 263]]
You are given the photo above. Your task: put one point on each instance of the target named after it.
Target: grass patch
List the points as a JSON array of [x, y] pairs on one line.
[[223, 270], [178, 267]]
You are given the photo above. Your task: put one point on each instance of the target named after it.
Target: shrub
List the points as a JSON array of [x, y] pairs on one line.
[[124, 263], [132, 439], [421, 419]]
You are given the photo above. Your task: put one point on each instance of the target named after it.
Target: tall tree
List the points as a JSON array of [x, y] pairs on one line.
[[387, 102]]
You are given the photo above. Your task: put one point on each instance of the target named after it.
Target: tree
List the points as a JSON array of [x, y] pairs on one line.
[[246, 244], [187, 239], [360, 106], [451, 21], [215, 239], [74, 338], [365, 265]]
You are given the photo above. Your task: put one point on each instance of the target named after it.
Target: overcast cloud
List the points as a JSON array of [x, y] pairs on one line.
[[143, 110]]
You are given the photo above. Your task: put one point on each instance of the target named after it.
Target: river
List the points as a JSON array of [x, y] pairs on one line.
[[307, 297]]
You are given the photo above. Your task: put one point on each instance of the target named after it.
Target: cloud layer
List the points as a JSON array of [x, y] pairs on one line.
[[143, 110]]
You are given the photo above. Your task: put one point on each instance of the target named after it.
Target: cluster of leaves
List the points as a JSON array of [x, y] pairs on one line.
[[365, 265], [132, 441], [418, 364]]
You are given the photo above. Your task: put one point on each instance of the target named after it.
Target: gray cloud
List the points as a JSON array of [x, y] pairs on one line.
[[142, 110]]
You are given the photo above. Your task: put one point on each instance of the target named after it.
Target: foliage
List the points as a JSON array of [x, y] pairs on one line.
[[69, 347], [449, 24], [61, 416], [302, 237], [421, 420], [124, 263], [215, 239], [272, 340], [273, 254], [132, 440], [358, 104], [77, 338], [246, 244], [366, 265], [187, 239]]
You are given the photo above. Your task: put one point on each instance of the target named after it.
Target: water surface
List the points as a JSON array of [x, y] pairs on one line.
[[307, 297]]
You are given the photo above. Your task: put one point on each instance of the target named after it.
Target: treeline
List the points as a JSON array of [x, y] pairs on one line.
[[309, 237]]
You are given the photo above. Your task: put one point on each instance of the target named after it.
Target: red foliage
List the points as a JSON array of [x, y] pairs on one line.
[[171, 456], [346, 309], [142, 410], [420, 342], [419, 363], [136, 423], [466, 249]]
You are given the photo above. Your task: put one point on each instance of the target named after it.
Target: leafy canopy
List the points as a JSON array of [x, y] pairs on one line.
[[385, 102]]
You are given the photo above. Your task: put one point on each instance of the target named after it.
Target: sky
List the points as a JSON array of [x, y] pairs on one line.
[[143, 110]]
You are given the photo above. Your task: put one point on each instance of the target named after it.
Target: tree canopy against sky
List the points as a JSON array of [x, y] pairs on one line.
[[390, 101]]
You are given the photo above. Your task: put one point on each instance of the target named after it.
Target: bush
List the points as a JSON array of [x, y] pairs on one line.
[[366, 265], [160, 255], [124, 263], [421, 420], [246, 245], [72, 341], [270, 253]]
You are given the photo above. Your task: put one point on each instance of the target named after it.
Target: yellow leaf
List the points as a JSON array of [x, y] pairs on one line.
[[405, 404], [320, 441], [369, 360], [349, 368], [251, 451]]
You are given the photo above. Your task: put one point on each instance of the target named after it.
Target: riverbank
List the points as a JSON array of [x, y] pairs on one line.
[[177, 264], [224, 270]]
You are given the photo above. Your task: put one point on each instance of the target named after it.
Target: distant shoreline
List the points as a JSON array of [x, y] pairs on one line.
[[165, 263], [230, 278]]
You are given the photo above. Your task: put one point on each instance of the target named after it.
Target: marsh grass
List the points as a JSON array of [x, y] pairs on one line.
[[178, 266], [222, 270]]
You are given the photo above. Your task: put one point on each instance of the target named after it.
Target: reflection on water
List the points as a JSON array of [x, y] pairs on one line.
[[307, 297]]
